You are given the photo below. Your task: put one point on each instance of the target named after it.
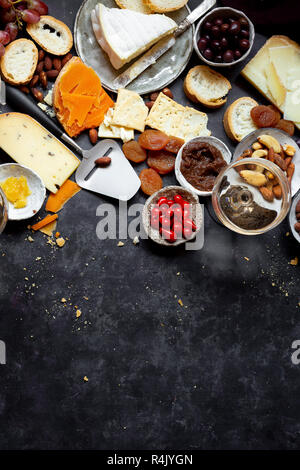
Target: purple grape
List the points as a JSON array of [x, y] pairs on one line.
[[208, 54], [223, 43], [218, 21], [234, 28], [215, 31], [244, 44], [228, 56], [202, 44], [244, 34], [218, 59], [216, 45], [237, 54], [207, 25], [224, 27]]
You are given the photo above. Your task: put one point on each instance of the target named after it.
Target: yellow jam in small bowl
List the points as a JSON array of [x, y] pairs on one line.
[[16, 191]]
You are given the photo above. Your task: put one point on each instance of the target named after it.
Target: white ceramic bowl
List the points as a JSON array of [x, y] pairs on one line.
[[284, 139], [226, 12], [36, 186], [168, 191], [210, 140]]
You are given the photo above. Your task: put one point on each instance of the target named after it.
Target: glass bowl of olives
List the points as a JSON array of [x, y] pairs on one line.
[[224, 37]]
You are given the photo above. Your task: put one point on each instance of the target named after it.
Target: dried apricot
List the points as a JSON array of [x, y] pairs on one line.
[[134, 152], [174, 144], [286, 126], [276, 111], [153, 140], [161, 161], [263, 116], [150, 181]]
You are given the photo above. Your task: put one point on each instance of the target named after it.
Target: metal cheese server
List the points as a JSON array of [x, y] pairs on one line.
[[151, 56], [118, 180]]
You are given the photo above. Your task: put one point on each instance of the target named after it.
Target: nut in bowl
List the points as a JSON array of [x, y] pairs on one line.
[[198, 163], [276, 146], [24, 191], [172, 216], [243, 197], [224, 37]]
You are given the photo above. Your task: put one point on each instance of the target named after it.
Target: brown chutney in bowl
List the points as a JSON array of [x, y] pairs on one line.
[[201, 163]]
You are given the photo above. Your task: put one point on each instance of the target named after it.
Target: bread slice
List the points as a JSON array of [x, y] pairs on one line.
[[135, 5], [237, 120], [19, 62], [163, 6], [204, 85], [52, 35]]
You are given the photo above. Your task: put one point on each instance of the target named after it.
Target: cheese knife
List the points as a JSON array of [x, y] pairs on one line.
[[2, 93], [118, 180], [151, 56]]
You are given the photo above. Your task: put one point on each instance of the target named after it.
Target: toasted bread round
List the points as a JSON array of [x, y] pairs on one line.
[[52, 35], [135, 5], [19, 62], [237, 120], [206, 86], [163, 6]]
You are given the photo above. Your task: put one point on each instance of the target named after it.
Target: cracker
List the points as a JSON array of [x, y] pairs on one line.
[[130, 110], [166, 115], [194, 124]]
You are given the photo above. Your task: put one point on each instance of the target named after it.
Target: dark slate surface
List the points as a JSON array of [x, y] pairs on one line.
[[214, 374]]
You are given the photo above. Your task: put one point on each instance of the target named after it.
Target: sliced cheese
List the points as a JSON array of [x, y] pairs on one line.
[[79, 106], [282, 58], [30, 144], [284, 54], [275, 86], [109, 131], [194, 124], [292, 106], [176, 120], [130, 110], [125, 34]]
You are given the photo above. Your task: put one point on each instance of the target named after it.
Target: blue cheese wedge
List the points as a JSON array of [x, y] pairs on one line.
[[30, 144], [125, 34]]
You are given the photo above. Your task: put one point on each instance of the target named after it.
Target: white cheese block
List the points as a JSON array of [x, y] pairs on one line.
[[125, 34], [292, 106], [30, 144], [282, 58]]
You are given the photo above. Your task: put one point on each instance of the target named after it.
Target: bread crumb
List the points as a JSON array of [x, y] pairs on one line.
[[121, 244], [247, 259], [78, 313], [30, 239], [57, 235], [85, 378], [60, 242], [294, 261], [180, 302], [136, 241], [63, 300]]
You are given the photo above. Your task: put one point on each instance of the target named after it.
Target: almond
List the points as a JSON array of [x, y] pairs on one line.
[[267, 194], [40, 67], [48, 63], [24, 89], [57, 64], [103, 162], [37, 94], [41, 55], [66, 59], [52, 74], [93, 134], [34, 81], [277, 191], [43, 79]]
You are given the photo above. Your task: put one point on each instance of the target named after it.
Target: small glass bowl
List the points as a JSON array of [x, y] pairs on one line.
[[223, 12], [240, 201], [3, 211]]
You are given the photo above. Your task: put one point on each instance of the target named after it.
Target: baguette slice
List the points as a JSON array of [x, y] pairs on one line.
[[19, 62], [163, 6], [52, 35], [135, 5], [206, 86], [237, 120]]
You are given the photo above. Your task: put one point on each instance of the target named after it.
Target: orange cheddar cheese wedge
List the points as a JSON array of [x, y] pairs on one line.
[[79, 100]]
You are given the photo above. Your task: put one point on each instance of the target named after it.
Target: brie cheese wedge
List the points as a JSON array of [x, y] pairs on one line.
[[125, 34]]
